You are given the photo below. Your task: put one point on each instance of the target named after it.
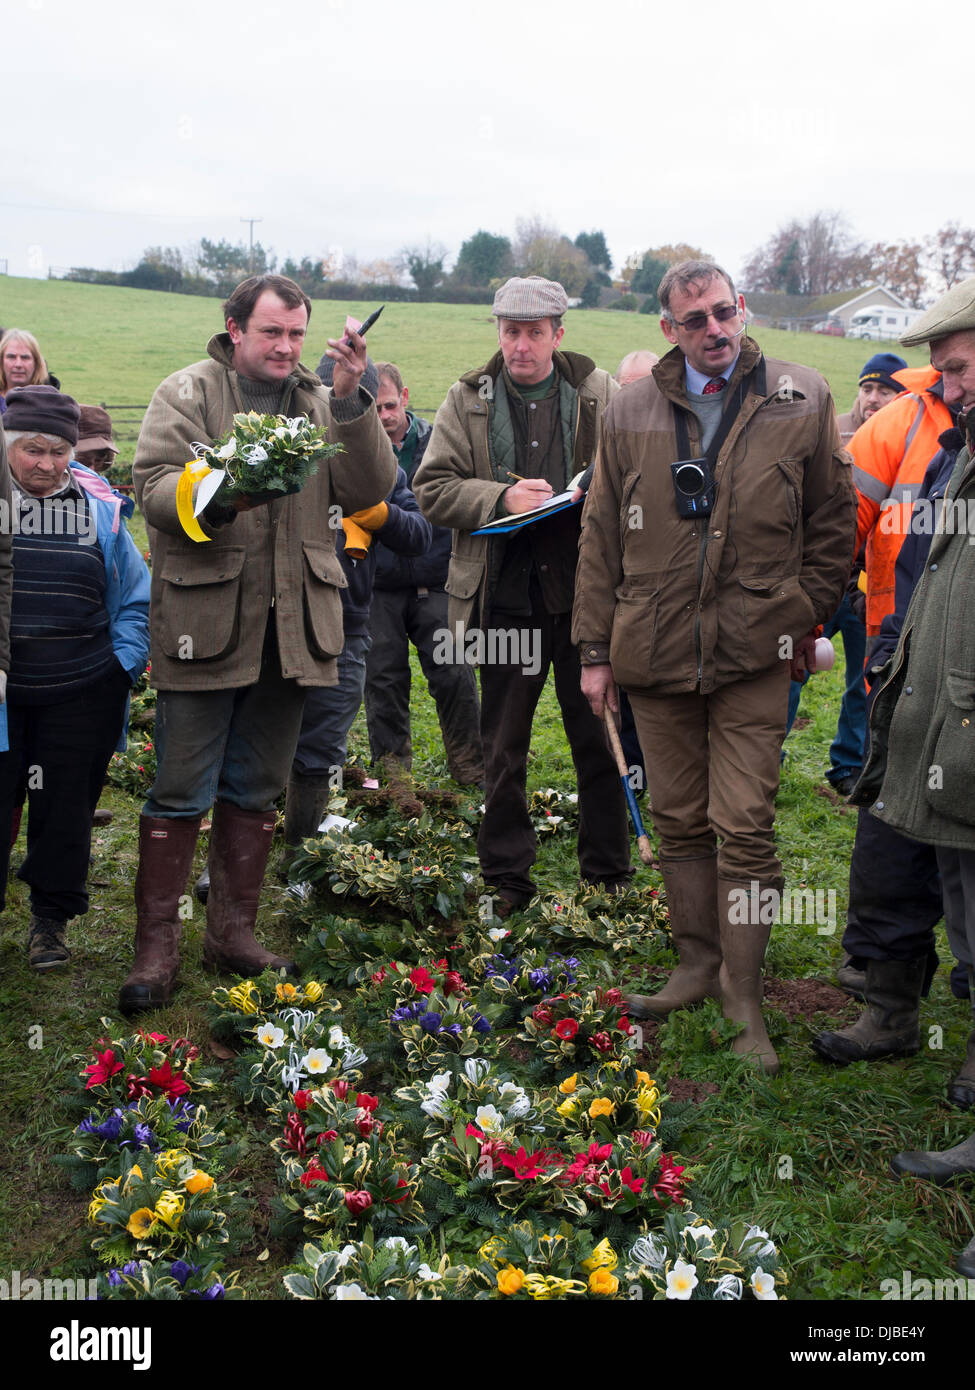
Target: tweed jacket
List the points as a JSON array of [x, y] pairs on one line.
[[681, 604], [211, 600], [455, 484]]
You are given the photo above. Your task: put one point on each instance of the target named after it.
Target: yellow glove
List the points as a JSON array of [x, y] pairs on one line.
[[357, 541], [371, 518]]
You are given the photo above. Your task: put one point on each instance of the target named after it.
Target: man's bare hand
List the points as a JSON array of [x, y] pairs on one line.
[[802, 660], [524, 496], [350, 362], [599, 688]]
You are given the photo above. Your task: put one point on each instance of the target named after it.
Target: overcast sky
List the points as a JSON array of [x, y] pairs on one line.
[[368, 127]]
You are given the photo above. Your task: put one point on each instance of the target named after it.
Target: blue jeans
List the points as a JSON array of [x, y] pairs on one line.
[[330, 712], [846, 750]]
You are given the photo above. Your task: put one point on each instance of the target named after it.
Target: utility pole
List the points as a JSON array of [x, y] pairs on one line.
[[250, 257]]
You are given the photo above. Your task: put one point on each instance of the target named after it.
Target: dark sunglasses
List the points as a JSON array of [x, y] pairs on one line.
[[695, 322]]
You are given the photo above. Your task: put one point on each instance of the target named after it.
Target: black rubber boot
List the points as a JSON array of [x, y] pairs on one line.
[[940, 1168], [889, 1026]]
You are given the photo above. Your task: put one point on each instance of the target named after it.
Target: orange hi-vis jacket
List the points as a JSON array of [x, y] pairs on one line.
[[891, 452]]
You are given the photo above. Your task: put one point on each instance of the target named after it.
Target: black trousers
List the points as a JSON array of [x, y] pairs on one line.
[[61, 754], [507, 843], [895, 894]]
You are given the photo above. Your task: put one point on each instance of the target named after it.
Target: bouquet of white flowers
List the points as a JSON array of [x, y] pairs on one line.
[[266, 456]]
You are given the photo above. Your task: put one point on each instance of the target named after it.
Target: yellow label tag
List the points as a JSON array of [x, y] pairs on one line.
[[193, 473]]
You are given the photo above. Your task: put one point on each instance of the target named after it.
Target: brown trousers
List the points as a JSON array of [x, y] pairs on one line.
[[713, 771]]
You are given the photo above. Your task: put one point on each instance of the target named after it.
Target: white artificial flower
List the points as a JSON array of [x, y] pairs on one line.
[[427, 1274], [399, 1243], [476, 1069], [316, 1061], [488, 1119], [729, 1287], [336, 1038], [299, 1018], [647, 1252], [353, 1057], [270, 1036], [434, 1105], [760, 1252], [292, 1077], [440, 1082], [498, 933], [353, 1293], [253, 454], [763, 1285], [228, 450], [681, 1280], [573, 797], [520, 1108], [345, 1255]]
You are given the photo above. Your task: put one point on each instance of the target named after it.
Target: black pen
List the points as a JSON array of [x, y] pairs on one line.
[[364, 329]]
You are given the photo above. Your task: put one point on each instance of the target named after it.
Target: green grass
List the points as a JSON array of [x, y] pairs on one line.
[[841, 1223]]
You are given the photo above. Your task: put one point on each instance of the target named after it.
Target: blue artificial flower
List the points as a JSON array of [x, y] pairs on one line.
[[540, 979], [215, 1291], [133, 1267], [454, 1029], [181, 1270], [144, 1136], [430, 1023], [183, 1112], [114, 1278], [481, 1024]]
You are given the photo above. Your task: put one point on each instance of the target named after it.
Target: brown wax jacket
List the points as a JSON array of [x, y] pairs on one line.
[[210, 600], [678, 605]]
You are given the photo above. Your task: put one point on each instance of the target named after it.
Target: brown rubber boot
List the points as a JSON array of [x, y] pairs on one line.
[[166, 846], [890, 1024], [961, 1090], [240, 842], [692, 902], [744, 940]]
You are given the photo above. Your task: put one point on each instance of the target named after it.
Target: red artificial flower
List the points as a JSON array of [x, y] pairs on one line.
[[401, 1182], [102, 1068], [628, 1180], [525, 1166], [302, 1099], [314, 1173], [607, 997], [156, 1037], [137, 1086], [326, 1136], [358, 1202], [341, 1089], [472, 1132], [378, 977], [566, 1029], [624, 1025], [453, 984], [422, 981], [602, 1042], [643, 1138], [294, 1133], [670, 1184], [365, 1102], [365, 1124], [440, 965], [543, 1015], [172, 1085]]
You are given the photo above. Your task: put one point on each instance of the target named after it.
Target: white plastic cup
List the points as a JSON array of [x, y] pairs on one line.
[[823, 655]]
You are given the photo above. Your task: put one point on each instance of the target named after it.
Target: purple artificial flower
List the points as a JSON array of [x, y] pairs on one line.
[[144, 1136], [181, 1270], [215, 1291], [481, 1024], [114, 1278], [430, 1023], [133, 1267], [182, 1112], [540, 979], [454, 1029]]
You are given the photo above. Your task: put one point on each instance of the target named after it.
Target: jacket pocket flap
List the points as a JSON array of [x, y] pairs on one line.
[[758, 584], [961, 689], [210, 567], [464, 577], [325, 564]]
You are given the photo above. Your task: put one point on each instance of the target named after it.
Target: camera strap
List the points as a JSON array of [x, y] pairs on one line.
[[755, 380]]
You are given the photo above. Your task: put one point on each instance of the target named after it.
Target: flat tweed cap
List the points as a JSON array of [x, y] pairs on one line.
[[42, 410], [530, 298], [953, 313]]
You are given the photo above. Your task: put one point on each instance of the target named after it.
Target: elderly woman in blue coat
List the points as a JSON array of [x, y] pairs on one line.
[[79, 639]]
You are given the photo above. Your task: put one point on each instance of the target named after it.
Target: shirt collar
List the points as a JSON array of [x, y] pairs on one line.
[[696, 381]]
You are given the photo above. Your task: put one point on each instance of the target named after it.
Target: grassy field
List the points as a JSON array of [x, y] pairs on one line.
[[804, 1155]]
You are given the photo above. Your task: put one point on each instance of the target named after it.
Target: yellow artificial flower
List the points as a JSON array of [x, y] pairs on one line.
[[94, 1207], [170, 1207], [603, 1257], [644, 1078], [601, 1281], [198, 1181], [313, 991], [646, 1103], [285, 992], [569, 1084], [489, 1250], [140, 1223], [545, 1286], [244, 997], [601, 1106], [135, 1172], [567, 1109], [170, 1160], [510, 1279]]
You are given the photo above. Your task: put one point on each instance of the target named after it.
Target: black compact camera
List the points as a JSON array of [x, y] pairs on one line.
[[693, 487]]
